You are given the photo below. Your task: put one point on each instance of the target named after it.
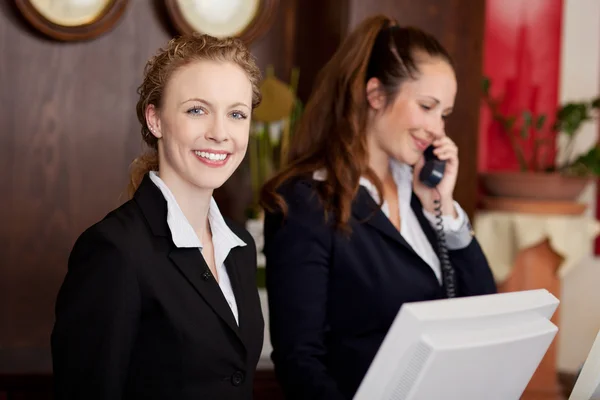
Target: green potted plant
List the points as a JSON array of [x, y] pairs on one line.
[[273, 123], [540, 177]]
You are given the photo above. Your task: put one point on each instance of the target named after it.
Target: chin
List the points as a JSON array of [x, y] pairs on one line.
[[210, 184], [208, 180], [408, 157]]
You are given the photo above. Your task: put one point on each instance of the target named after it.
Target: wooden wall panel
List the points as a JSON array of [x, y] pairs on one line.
[[68, 132], [318, 35]]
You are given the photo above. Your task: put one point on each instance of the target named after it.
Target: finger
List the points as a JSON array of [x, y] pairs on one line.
[[446, 151], [448, 155], [442, 141]]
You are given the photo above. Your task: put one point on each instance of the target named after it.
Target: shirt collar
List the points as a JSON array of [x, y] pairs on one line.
[[182, 232]]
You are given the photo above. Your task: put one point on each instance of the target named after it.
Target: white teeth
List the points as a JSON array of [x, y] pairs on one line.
[[211, 156]]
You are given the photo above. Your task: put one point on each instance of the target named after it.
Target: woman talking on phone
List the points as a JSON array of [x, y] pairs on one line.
[[351, 231]]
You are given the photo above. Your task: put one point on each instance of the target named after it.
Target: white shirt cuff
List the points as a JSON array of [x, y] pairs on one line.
[[458, 230]]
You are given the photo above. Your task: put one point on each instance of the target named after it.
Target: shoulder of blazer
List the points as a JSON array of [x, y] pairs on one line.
[[304, 206], [301, 194], [122, 225]]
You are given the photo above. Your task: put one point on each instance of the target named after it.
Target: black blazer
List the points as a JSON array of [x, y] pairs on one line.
[[333, 298], [138, 318]]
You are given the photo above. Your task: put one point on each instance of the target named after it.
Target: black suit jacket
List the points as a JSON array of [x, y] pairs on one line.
[[138, 318], [332, 298]]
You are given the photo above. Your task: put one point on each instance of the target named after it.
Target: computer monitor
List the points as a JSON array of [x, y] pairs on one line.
[[470, 348], [587, 386]]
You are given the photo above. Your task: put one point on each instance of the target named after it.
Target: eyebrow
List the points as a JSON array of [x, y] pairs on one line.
[[434, 99], [209, 104]]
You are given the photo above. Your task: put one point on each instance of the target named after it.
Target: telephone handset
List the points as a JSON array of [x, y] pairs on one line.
[[433, 171], [431, 175]]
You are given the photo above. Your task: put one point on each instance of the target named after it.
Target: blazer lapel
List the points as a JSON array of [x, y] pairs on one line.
[[233, 270], [193, 267], [188, 260], [366, 210]]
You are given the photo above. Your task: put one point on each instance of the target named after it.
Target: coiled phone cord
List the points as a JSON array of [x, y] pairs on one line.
[[448, 274]]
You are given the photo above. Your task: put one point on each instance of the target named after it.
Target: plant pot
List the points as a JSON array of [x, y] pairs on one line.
[[530, 206], [533, 185]]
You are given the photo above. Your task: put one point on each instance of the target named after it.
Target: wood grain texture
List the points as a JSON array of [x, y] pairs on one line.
[[318, 35], [67, 136], [68, 132]]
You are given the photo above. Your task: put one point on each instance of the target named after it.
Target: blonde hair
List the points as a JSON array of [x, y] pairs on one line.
[[179, 52]]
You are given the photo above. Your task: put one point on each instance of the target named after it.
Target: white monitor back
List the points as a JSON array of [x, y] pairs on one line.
[[480, 347], [587, 386]]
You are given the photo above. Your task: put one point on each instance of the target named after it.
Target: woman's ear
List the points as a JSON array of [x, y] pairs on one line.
[[375, 94], [153, 121]]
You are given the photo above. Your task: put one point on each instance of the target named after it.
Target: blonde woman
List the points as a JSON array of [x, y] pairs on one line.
[[160, 300]]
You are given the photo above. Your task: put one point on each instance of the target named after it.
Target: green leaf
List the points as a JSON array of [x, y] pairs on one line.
[[526, 124], [539, 124], [570, 117], [486, 85], [589, 161], [596, 103], [509, 123]]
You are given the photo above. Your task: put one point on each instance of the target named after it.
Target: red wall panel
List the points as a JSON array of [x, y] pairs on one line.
[[522, 57]]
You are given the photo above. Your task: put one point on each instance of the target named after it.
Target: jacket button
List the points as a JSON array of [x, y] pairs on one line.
[[237, 378]]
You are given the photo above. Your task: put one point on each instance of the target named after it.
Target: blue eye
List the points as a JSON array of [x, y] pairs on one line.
[[238, 115], [196, 111]]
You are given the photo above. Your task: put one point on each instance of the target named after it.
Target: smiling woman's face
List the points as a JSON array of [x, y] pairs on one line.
[[203, 124], [406, 127]]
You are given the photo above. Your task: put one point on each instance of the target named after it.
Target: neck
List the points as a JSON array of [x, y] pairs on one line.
[[193, 201], [379, 161]]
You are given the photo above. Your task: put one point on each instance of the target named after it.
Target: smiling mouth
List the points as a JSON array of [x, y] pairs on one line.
[[421, 144], [212, 159]]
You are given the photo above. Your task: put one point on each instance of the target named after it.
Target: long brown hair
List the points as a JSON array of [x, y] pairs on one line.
[[181, 51], [331, 135]]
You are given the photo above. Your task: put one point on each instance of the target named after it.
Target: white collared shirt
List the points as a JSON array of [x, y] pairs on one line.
[[457, 230], [184, 236]]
